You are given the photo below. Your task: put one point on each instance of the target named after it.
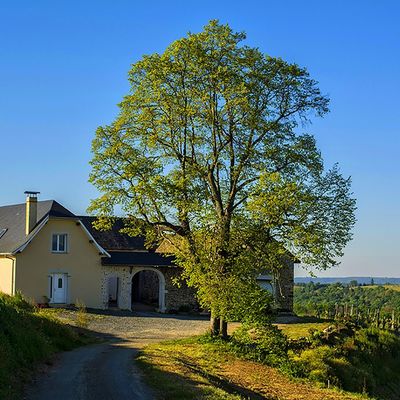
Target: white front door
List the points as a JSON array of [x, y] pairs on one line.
[[59, 288]]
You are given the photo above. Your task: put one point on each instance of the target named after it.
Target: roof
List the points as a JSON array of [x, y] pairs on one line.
[[132, 258], [120, 248], [12, 219], [114, 239]]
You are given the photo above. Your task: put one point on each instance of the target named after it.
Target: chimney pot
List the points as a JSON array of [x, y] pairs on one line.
[[31, 211]]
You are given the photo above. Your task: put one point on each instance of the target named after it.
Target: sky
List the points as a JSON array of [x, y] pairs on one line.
[[63, 70]]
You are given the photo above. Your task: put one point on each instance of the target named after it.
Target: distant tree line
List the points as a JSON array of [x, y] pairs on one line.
[[376, 304]]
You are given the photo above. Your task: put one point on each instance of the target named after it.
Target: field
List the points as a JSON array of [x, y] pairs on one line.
[[301, 329], [392, 287]]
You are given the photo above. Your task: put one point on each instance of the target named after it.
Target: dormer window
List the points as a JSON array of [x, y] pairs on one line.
[[59, 243]]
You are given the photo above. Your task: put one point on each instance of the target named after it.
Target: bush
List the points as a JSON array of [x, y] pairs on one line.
[[262, 343], [364, 360]]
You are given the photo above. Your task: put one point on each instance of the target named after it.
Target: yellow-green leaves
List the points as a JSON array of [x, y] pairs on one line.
[[207, 147]]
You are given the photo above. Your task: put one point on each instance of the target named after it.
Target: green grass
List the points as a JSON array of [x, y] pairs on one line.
[[302, 329], [28, 336], [201, 369]]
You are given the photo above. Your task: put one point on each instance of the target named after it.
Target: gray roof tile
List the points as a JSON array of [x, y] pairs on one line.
[[12, 218]]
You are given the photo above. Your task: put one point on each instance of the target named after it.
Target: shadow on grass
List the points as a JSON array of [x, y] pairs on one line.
[[176, 386], [295, 319]]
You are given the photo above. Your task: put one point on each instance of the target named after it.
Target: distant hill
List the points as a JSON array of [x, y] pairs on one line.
[[346, 279]]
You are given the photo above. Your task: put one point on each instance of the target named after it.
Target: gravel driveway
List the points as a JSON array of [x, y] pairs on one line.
[[143, 326], [107, 371]]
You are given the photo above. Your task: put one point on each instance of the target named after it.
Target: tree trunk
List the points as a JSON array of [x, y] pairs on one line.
[[214, 325], [223, 329]]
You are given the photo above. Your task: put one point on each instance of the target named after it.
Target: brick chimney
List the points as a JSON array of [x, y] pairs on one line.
[[31, 211]]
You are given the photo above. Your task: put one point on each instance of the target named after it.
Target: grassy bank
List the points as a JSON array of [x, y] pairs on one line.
[[201, 369], [28, 336]]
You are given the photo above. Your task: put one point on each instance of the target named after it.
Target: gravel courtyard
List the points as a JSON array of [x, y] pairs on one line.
[[139, 327]]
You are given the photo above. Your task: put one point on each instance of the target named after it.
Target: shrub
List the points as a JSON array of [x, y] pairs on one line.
[[262, 343]]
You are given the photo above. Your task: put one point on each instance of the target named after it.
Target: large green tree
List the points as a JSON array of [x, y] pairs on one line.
[[208, 154]]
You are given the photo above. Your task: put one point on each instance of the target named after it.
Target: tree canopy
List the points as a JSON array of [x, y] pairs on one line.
[[208, 153]]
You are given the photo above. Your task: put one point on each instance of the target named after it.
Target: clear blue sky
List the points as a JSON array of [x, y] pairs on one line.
[[63, 68]]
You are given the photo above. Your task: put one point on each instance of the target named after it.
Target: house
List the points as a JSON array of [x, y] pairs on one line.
[[52, 255]]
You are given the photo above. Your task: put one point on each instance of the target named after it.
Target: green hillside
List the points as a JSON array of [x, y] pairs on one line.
[[315, 298], [27, 336]]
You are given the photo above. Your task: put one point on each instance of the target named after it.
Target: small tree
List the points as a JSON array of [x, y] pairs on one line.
[[207, 155]]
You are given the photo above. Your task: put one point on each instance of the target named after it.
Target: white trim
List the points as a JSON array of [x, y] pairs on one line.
[[37, 230], [101, 250], [66, 244], [44, 222]]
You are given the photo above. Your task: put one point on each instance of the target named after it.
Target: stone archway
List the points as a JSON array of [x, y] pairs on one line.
[[161, 285]]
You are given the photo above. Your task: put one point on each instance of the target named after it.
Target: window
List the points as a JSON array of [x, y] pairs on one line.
[[59, 243], [265, 281], [266, 285]]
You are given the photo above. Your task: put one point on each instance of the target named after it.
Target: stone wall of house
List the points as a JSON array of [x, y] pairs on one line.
[[124, 276], [175, 297], [283, 285], [182, 297], [178, 297]]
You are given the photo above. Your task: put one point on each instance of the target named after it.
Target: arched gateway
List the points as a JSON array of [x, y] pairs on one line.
[[148, 287]]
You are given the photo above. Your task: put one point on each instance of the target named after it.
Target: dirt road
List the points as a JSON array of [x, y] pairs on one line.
[[107, 371]]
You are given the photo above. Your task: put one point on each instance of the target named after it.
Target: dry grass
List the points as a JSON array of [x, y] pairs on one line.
[[396, 288], [302, 329], [193, 370], [393, 287]]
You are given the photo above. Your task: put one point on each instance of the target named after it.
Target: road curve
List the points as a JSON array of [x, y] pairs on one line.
[[97, 372]]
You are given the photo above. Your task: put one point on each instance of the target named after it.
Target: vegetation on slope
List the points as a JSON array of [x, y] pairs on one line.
[[317, 298], [27, 335], [263, 362], [204, 368]]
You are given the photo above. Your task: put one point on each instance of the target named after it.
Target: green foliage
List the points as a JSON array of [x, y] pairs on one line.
[[316, 297], [262, 343], [27, 336], [366, 360], [206, 155]]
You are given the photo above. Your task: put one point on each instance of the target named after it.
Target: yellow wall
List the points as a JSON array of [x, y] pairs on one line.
[[6, 275], [82, 263]]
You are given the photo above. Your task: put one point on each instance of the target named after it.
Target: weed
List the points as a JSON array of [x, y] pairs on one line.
[[82, 318]]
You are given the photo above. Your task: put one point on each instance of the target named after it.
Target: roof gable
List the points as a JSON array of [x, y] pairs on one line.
[[12, 228], [12, 220]]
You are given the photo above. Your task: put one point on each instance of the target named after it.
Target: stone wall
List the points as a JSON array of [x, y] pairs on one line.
[[178, 297], [174, 298], [283, 287], [124, 276], [171, 298]]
